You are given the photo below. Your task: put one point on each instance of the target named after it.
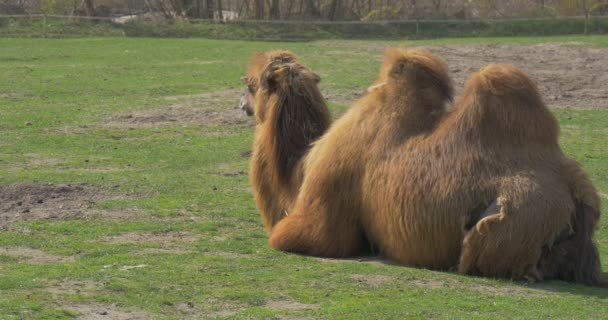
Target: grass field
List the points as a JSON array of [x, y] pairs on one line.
[[124, 181]]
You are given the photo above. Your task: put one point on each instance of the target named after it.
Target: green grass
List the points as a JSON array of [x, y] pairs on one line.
[[57, 100]]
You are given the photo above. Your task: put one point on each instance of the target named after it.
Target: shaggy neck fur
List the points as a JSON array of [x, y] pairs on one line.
[[293, 117]]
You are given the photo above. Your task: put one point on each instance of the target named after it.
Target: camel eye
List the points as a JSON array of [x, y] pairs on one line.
[[251, 88]]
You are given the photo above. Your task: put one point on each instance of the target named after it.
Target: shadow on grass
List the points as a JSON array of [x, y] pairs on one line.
[[555, 286], [572, 288]]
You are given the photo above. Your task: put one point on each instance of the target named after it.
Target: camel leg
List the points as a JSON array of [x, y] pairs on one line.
[[508, 243], [317, 234]]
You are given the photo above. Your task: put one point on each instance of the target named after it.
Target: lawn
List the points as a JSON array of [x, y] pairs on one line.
[[124, 181]]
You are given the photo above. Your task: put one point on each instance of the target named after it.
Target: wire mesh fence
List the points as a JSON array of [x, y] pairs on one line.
[[53, 26]]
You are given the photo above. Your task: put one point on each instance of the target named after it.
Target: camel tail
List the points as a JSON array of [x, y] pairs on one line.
[[587, 266], [574, 255]]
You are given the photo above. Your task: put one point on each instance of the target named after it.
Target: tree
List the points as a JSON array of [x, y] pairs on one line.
[[275, 12], [259, 9], [333, 9], [89, 8], [209, 9], [312, 10], [220, 11]]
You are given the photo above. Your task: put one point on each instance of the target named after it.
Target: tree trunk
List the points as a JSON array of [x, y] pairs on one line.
[[197, 9], [586, 10], [220, 9], [333, 10], [177, 8], [259, 9], [289, 8], [356, 8], [415, 9], [240, 9], [275, 12], [89, 8], [312, 10], [209, 9]]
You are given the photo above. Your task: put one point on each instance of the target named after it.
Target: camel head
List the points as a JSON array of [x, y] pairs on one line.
[[257, 66]]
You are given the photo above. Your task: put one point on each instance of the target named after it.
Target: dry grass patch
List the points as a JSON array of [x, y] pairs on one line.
[[208, 110], [228, 255], [34, 256], [162, 251], [484, 289], [68, 286], [159, 238], [98, 311], [373, 280], [367, 260], [342, 96], [35, 201], [286, 305]]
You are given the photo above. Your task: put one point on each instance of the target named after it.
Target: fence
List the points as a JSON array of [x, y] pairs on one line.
[[53, 26]]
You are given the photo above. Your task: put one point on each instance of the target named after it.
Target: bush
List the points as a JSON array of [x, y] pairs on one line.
[[291, 31]]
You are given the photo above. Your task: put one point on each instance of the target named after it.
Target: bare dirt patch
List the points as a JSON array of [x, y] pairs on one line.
[[343, 97], [34, 256], [373, 280], [372, 260], [567, 74], [98, 311], [162, 251], [286, 305], [215, 109], [216, 309], [488, 290], [227, 170], [38, 160], [228, 255], [68, 286], [30, 201], [160, 238]]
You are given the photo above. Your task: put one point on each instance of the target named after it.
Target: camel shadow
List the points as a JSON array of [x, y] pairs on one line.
[[540, 288], [559, 286]]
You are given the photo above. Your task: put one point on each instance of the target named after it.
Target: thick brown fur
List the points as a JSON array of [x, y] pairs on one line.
[[487, 190], [337, 206], [256, 68], [290, 115]]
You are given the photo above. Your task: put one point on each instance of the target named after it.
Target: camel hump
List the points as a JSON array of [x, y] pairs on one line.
[[419, 67], [506, 80]]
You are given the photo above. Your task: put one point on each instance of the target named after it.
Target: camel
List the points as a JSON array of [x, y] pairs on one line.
[[290, 114], [484, 189]]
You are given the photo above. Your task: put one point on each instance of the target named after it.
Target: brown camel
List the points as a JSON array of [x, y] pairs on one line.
[[485, 188], [290, 115]]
